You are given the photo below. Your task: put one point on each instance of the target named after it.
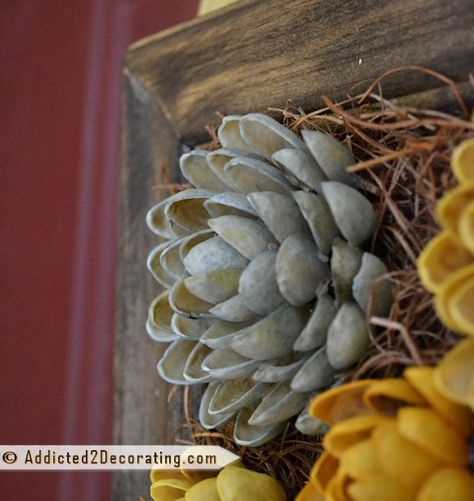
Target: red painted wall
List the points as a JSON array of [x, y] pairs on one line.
[[59, 107]]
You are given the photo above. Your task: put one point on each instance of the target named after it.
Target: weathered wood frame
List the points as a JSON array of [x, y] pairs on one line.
[[247, 57]]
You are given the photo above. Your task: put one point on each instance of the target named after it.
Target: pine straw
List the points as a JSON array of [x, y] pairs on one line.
[[403, 160]]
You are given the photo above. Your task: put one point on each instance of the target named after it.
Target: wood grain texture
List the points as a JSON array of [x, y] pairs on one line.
[[247, 57], [257, 54]]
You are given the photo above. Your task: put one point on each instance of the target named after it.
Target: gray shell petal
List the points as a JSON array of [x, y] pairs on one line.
[[299, 270], [300, 165], [280, 404], [221, 333], [213, 254], [279, 213], [154, 266], [353, 213], [345, 263], [253, 436], [266, 135], [170, 260], [186, 304], [233, 310], [273, 336], [316, 373], [315, 332], [229, 133], [172, 363], [190, 328], [319, 218], [193, 371], [227, 364], [189, 242], [348, 337], [272, 373], [229, 204], [249, 174], [309, 425], [233, 395], [207, 420], [159, 318], [196, 170], [331, 155], [217, 160], [248, 236], [214, 286], [368, 286], [258, 286]]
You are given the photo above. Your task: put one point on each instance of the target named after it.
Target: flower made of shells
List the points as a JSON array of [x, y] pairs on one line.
[[267, 288]]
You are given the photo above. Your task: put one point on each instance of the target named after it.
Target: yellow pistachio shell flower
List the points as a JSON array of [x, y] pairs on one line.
[[454, 376], [463, 161], [450, 208], [448, 484]]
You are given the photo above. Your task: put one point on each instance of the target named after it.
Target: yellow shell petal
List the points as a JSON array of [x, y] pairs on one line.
[[237, 484], [324, 470], [454, 376], [459, 416], [401, 460], [159, 474], [462, 161], [351, 431], [206, 490], [360, 460], [378, 489], [169, 489], [341, 402], [337, 488], [443, 256], [310, 493], [451, 206], [388, 394], [466, 227], [424, 428], [448, 484], [454, 301]]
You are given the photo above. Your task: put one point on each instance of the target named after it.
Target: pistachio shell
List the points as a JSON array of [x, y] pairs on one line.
[[348, 338], [349, 432], [279, 213], [159, 474], [213, 254], [331, 155], [280, 404], [448, 484], [462, 161], [210, 421], [299, 271], [466, 227], [422, 379], [345, 263], [172, 363], [233, 310], [233, 395], [221, 333], [266, 135], [452, 205], [324, 470], [443, 256], [341, 402], [258, 286], [427, 430], [401, 460], [154, 266], [235, 484], [170, 260], [156, 221], [190, 328], [315, 373], [315, 332], [352, 212], [319, 218], [454, 375], [388, 394], [229, 204], [271, 337], [169, 489], [193, 372], [215, 286], [360, 461], [185, 303], [158, 324], [309, 425], [196, 170], [377, 488], [227, 364], [206, 490], [337, 487], [310, 493], [229, 133], [272, 373], [246, 435], [217, 160], [249, 237], [189, 242], [454, 301], [301, 165], [250, 174], [186, 210]]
